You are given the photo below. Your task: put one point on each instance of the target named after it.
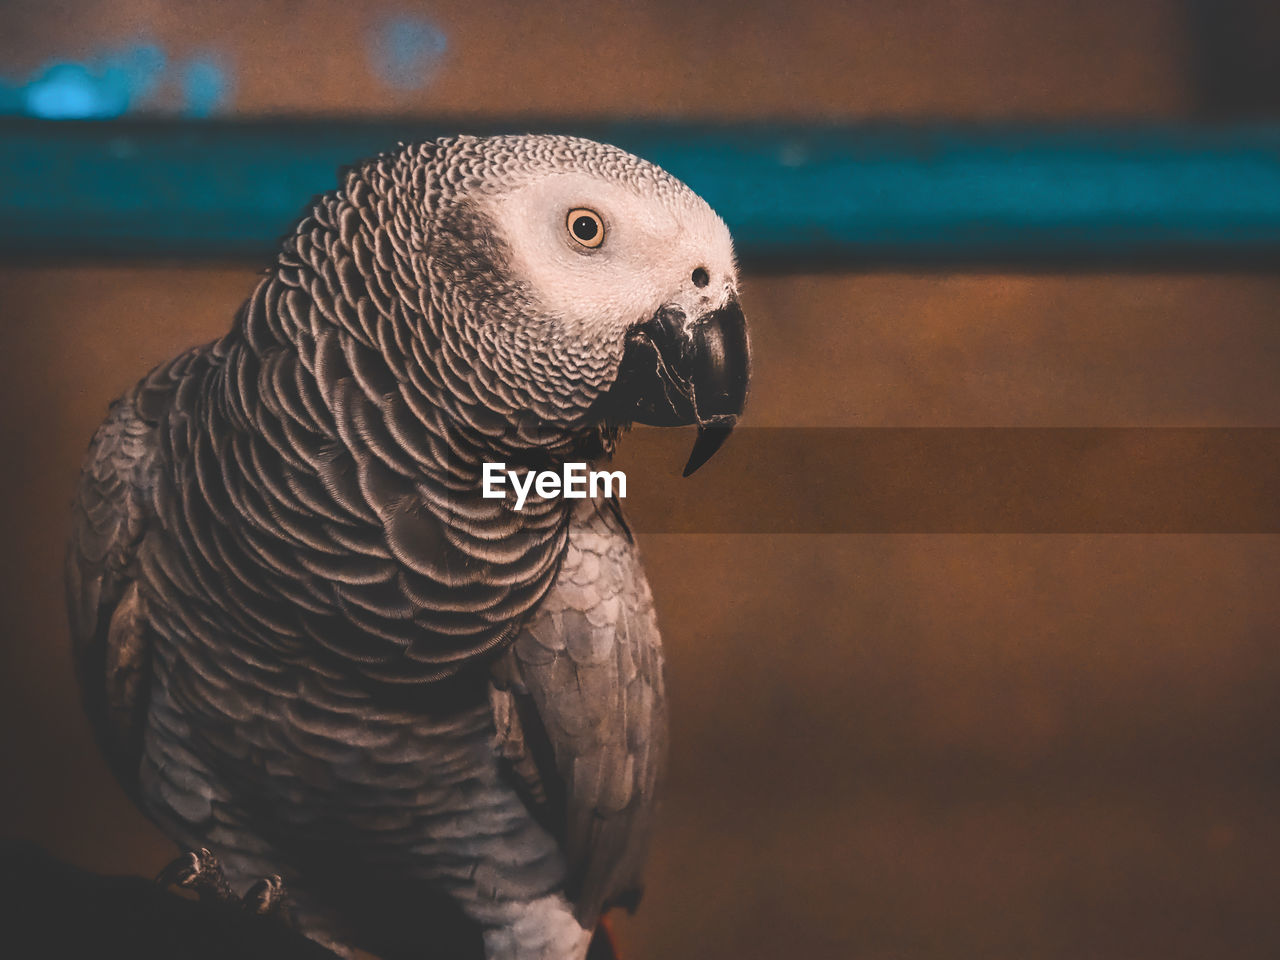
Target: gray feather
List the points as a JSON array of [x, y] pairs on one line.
[[307, 642]]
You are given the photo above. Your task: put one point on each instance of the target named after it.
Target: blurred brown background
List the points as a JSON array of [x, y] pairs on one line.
[[885, 746]]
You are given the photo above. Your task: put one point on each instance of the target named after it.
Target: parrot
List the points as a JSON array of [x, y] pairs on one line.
[[413, 720]]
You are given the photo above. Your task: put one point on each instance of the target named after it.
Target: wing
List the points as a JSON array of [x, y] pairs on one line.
[[579, 706], [107, 617]]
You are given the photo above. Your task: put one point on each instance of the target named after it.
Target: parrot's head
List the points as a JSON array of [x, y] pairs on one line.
[[578, 288]]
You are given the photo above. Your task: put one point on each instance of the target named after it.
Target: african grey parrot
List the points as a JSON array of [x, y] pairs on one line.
[[307, 642]]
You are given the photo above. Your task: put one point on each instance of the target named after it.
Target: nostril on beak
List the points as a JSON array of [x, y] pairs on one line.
[[700, 277]]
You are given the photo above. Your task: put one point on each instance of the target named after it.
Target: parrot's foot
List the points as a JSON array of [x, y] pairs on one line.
[[269, 898], [200, 872]]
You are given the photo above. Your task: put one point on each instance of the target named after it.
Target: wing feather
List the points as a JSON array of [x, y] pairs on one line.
[[107, 616], [584, 677]]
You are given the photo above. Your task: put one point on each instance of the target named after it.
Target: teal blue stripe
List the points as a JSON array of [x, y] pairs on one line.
[[793, 196]]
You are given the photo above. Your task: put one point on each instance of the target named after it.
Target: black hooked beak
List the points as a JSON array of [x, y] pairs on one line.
[[677, 371]]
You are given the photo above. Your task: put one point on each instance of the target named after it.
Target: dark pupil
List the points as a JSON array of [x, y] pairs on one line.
[[584, 228]]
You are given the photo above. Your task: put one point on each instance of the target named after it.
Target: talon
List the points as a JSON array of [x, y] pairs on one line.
[[200, 871], [181, 872], [268, 897]]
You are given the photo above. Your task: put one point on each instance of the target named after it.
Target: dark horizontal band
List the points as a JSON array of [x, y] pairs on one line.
[[958, 480]]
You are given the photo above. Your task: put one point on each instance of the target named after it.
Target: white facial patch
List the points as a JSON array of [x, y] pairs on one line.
[[653, 242]]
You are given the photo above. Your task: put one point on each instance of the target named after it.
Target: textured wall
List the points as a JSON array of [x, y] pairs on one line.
[[736, 58], [885, 746]]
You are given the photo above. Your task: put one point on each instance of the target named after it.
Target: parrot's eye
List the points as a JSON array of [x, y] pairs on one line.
[[586, 227]]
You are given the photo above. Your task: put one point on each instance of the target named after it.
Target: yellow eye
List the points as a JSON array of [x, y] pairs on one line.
[[586, 227]]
